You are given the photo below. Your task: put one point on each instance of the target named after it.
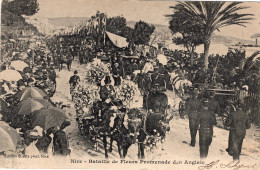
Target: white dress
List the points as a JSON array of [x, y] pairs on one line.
[[32, 149]]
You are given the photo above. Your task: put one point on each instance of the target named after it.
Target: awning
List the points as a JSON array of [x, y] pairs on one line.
[[117, 40]]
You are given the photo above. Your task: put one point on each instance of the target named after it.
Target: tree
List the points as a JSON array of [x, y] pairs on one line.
[[142, 33], [12, 12], [213, 16], [190, 30], [116, 25], [21, 7]]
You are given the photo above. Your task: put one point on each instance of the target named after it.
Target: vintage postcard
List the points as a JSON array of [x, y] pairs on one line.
[[130, 84]]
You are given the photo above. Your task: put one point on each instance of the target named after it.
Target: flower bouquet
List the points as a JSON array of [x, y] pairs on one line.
[[126, 91], [86, 93], [95, 71]]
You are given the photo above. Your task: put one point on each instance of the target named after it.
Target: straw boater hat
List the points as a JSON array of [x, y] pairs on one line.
[[36, 133]]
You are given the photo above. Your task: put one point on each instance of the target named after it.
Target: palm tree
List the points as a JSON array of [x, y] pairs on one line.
[[213, 15]]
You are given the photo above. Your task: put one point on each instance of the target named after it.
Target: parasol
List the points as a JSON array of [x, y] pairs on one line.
[[162, 59], [9, 137], [10, 75], [29, 105], [48, 117], [30, 92], [19, 65]]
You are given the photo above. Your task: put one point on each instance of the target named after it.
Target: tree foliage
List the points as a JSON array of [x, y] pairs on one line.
[[189, 29], [142, 33], [21, 7], [118, 25], [213, 15]]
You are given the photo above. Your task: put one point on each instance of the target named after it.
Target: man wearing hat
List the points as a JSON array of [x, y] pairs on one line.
[[117, 72], [193, 109], [206, 123], [74, 80], [158, 80], [106, 92], [60, 141], [238, 121]]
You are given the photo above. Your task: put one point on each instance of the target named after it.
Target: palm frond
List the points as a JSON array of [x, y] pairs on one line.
[[249, 60]]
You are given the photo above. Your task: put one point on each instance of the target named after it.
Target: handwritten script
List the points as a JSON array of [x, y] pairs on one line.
[[234, 165]]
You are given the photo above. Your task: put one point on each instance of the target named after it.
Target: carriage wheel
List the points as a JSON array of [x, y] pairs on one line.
[[181, 109], [229, 108]]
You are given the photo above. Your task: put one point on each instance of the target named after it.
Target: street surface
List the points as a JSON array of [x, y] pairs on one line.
[[176, 147]]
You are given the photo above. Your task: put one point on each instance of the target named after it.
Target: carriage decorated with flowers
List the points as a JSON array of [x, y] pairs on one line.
[[99, 118]]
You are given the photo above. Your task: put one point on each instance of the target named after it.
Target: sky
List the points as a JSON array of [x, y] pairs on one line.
[[134, 10]]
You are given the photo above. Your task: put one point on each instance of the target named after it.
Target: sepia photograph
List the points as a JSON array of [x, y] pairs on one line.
[[130, 84]]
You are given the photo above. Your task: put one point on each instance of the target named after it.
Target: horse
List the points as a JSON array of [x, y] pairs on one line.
[[65, 59], [155, 127], [156, 101], [178, 84], [128, 129], [108, 122]]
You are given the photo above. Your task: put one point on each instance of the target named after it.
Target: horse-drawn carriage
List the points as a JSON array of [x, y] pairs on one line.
[[125, 126], [226, 100]]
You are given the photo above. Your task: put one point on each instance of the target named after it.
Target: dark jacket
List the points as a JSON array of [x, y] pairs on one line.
[[105, 92], [74, 80], [43, 143], [205, 119], [60, 143], [238, 121], [193, 108]]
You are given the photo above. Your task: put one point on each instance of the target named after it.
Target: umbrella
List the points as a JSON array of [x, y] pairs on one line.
[[9, 137], [10, 75], [30, 92], [48, 117], [29, 105], [19, 65], [162, 59]]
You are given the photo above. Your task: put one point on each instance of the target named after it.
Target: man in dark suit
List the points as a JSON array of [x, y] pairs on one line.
[[193, 109], [238, 121], [74, 80], [60, 141], [206, 122]]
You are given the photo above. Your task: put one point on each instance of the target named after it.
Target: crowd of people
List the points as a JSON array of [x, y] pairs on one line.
[[145, 70], [28, 81]]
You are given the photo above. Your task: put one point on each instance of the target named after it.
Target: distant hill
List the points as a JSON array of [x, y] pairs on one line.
[[162, 32], [228, 40], [66, 21]]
